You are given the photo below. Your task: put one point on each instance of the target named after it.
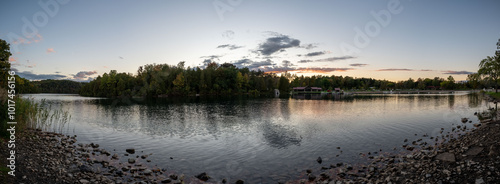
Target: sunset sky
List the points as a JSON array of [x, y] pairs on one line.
[[384, 39]]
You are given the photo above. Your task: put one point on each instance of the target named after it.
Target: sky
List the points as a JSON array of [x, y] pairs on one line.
[[384, 39]]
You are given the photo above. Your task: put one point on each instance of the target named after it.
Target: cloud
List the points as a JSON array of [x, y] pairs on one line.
[[120, 57], [50, 50], [306, 61], [324, 70], [401, 69], [12, 59], [277, 43], [309, 46], [229, 46], [31, 66], [457, 72], [315, 54], [31, 76], [395, 69], [228, 34], [331, 59], [358, 64], [212, 57], [253, 65], [83, 74]]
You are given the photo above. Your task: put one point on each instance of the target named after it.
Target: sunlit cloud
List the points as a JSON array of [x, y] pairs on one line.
[[401, 69], [50, 50], [12, 59], [37, 38], [394, 69], [457, 72]]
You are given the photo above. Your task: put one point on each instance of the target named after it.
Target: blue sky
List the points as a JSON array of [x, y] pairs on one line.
[[386, 39]]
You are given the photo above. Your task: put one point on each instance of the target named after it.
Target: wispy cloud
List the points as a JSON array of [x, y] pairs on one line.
[[277, 43], [332, 59], [402, 69], [457, 72], [12, 59], [228, 34], [306, 61], [50, 50], [120, 57], [394, 69], [211, 57], [229, 46], [309, 46], [82, 75], [324, 70], [358, 65], [37, 38], [311, 54]]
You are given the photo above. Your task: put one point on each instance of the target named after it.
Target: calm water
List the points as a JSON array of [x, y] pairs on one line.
[[261, 139]]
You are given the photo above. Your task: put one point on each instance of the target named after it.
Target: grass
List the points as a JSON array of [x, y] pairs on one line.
[[494, 95], [36, 115]]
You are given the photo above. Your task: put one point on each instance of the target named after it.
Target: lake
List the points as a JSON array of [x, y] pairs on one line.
[[261, 140]]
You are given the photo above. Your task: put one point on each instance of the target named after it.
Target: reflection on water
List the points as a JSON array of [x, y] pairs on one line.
[[261, 139]]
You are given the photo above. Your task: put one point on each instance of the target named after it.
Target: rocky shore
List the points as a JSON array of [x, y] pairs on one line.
[[462, 156], [46, 157]]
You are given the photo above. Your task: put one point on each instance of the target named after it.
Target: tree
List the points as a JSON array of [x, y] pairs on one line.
[[473, 80], [179, 82], [490, 69], [4, 62]]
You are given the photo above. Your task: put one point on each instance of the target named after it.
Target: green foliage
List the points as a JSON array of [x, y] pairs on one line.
[[489, 68], [4, 62]]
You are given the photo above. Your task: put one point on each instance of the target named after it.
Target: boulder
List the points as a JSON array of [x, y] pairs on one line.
[[447, 157]]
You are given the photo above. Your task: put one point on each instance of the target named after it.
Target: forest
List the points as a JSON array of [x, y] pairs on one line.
[[24, 86], [160, 80]]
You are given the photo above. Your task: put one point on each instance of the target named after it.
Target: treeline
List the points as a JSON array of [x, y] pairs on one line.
[[47, 86], [156, 80]]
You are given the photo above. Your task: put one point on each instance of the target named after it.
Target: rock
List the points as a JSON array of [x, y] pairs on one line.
[[131, 160], [224, 180], [115, 156], [86, 169], [203, 176], [479, 181], [166, 181], [144, 156], [130, 150], [147, 172], [240, 182], [474, 151], [319, 160], [84, 181], [464, 120], [311, 177], [173, 176], [447, 157]]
